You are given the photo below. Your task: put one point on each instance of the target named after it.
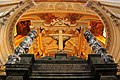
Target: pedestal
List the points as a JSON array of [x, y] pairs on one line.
[[22, 69], [101, 70]]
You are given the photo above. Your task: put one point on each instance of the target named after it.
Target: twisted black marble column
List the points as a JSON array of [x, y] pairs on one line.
[[22, 48], [96, 47]]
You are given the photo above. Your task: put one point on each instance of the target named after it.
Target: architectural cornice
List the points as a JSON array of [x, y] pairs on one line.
[[10, 4], [6, 16]]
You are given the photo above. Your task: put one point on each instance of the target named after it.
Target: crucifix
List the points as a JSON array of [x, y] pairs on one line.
[[61, 39]]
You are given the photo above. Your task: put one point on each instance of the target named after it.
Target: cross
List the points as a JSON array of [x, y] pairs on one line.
[[60, 39]]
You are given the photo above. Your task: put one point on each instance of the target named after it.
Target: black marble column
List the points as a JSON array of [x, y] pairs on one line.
[[97, 48], [19, 65], [23, 48]]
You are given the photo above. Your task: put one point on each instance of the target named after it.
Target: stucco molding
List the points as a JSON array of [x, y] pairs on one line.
[[115, 19], [24, 7], [5, 17]]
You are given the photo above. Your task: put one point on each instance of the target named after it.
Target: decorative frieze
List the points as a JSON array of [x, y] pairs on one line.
[[62, 6]]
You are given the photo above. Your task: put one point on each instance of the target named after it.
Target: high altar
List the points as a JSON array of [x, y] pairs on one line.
[[58, 36]]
